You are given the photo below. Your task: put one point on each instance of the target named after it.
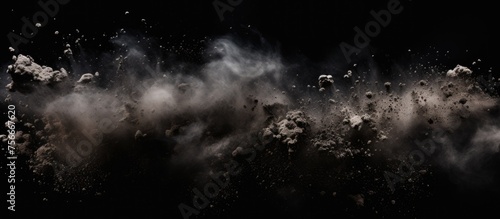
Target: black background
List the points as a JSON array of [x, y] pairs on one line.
[[299, 30], [309, 29]]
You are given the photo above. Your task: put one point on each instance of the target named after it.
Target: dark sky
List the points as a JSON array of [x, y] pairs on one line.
[[311, 29]]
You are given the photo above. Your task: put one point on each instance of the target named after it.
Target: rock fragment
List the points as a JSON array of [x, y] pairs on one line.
[[86, 78], [325, 81], [25, 71], [458, 71]]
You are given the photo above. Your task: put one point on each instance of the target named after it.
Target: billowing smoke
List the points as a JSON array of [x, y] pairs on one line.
[[239, 105], [196, 112], [469, 158]]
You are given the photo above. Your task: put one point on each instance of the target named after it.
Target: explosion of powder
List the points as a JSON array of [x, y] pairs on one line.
[[180, 126]]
